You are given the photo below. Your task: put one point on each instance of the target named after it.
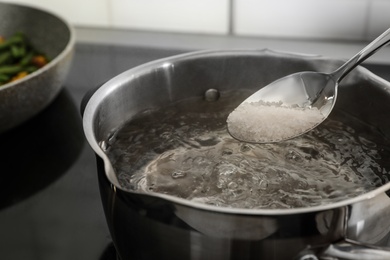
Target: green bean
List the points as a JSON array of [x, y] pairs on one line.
[[4, 78], [11, 69], [16, 56], [17, 38], [4, 57], [26, 59], [22, 50], [15, 51]]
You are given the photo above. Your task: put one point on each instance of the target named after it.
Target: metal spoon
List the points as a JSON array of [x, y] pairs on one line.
[[295, 104]]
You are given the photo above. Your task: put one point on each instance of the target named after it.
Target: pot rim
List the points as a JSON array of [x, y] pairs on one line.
[[109, 86]]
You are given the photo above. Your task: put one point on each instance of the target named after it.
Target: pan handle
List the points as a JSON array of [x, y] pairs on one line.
[[346, 250]]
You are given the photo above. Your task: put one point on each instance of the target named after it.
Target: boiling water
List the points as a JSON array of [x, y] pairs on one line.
[[184, 150]]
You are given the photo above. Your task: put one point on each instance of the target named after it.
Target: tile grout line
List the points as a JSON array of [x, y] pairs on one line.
[[366, 28], [231, 17]]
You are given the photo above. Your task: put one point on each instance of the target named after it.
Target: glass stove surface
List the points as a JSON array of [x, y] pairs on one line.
[[50, 204]]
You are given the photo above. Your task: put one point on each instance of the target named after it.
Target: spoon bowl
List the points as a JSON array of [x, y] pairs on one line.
[[294, 104]]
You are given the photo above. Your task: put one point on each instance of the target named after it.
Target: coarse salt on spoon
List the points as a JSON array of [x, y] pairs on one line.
[[294, 104]]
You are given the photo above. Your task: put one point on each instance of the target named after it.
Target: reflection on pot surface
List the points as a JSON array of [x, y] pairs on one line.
[[150, 225]]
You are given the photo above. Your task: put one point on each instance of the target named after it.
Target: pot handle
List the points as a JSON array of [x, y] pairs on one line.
[[346, 250]]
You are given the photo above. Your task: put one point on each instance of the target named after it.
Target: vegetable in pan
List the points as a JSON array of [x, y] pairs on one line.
[[18, 58]]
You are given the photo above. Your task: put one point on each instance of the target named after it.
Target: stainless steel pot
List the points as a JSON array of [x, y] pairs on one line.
[[157, 226]]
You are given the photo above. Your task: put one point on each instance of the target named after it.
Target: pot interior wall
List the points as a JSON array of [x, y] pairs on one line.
[[160, 83]]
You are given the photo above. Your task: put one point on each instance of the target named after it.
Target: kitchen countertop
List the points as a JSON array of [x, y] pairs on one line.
[[50, 206]]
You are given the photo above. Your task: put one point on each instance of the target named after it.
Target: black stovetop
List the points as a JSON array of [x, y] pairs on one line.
[[50, 205]]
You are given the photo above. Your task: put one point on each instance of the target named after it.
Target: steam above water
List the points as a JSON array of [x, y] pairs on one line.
[[184, 150]]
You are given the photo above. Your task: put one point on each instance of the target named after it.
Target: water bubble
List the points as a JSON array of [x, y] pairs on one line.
[[227, 152], [255, 179], [232, 185], [245, 148], [221, 184], [207, 140], [244, 165], [178, 174], [227, 169], [263, 185], [201, 161], [294, 156]]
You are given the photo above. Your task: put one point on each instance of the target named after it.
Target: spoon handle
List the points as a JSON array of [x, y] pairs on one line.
[[381, 41]]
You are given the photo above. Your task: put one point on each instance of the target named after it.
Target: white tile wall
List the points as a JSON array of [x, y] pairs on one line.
[[320, 19], [379, 18], [77, 12], [199, 16], [343, 19]]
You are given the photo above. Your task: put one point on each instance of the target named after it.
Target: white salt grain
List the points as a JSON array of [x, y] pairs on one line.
[[261, 122]]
